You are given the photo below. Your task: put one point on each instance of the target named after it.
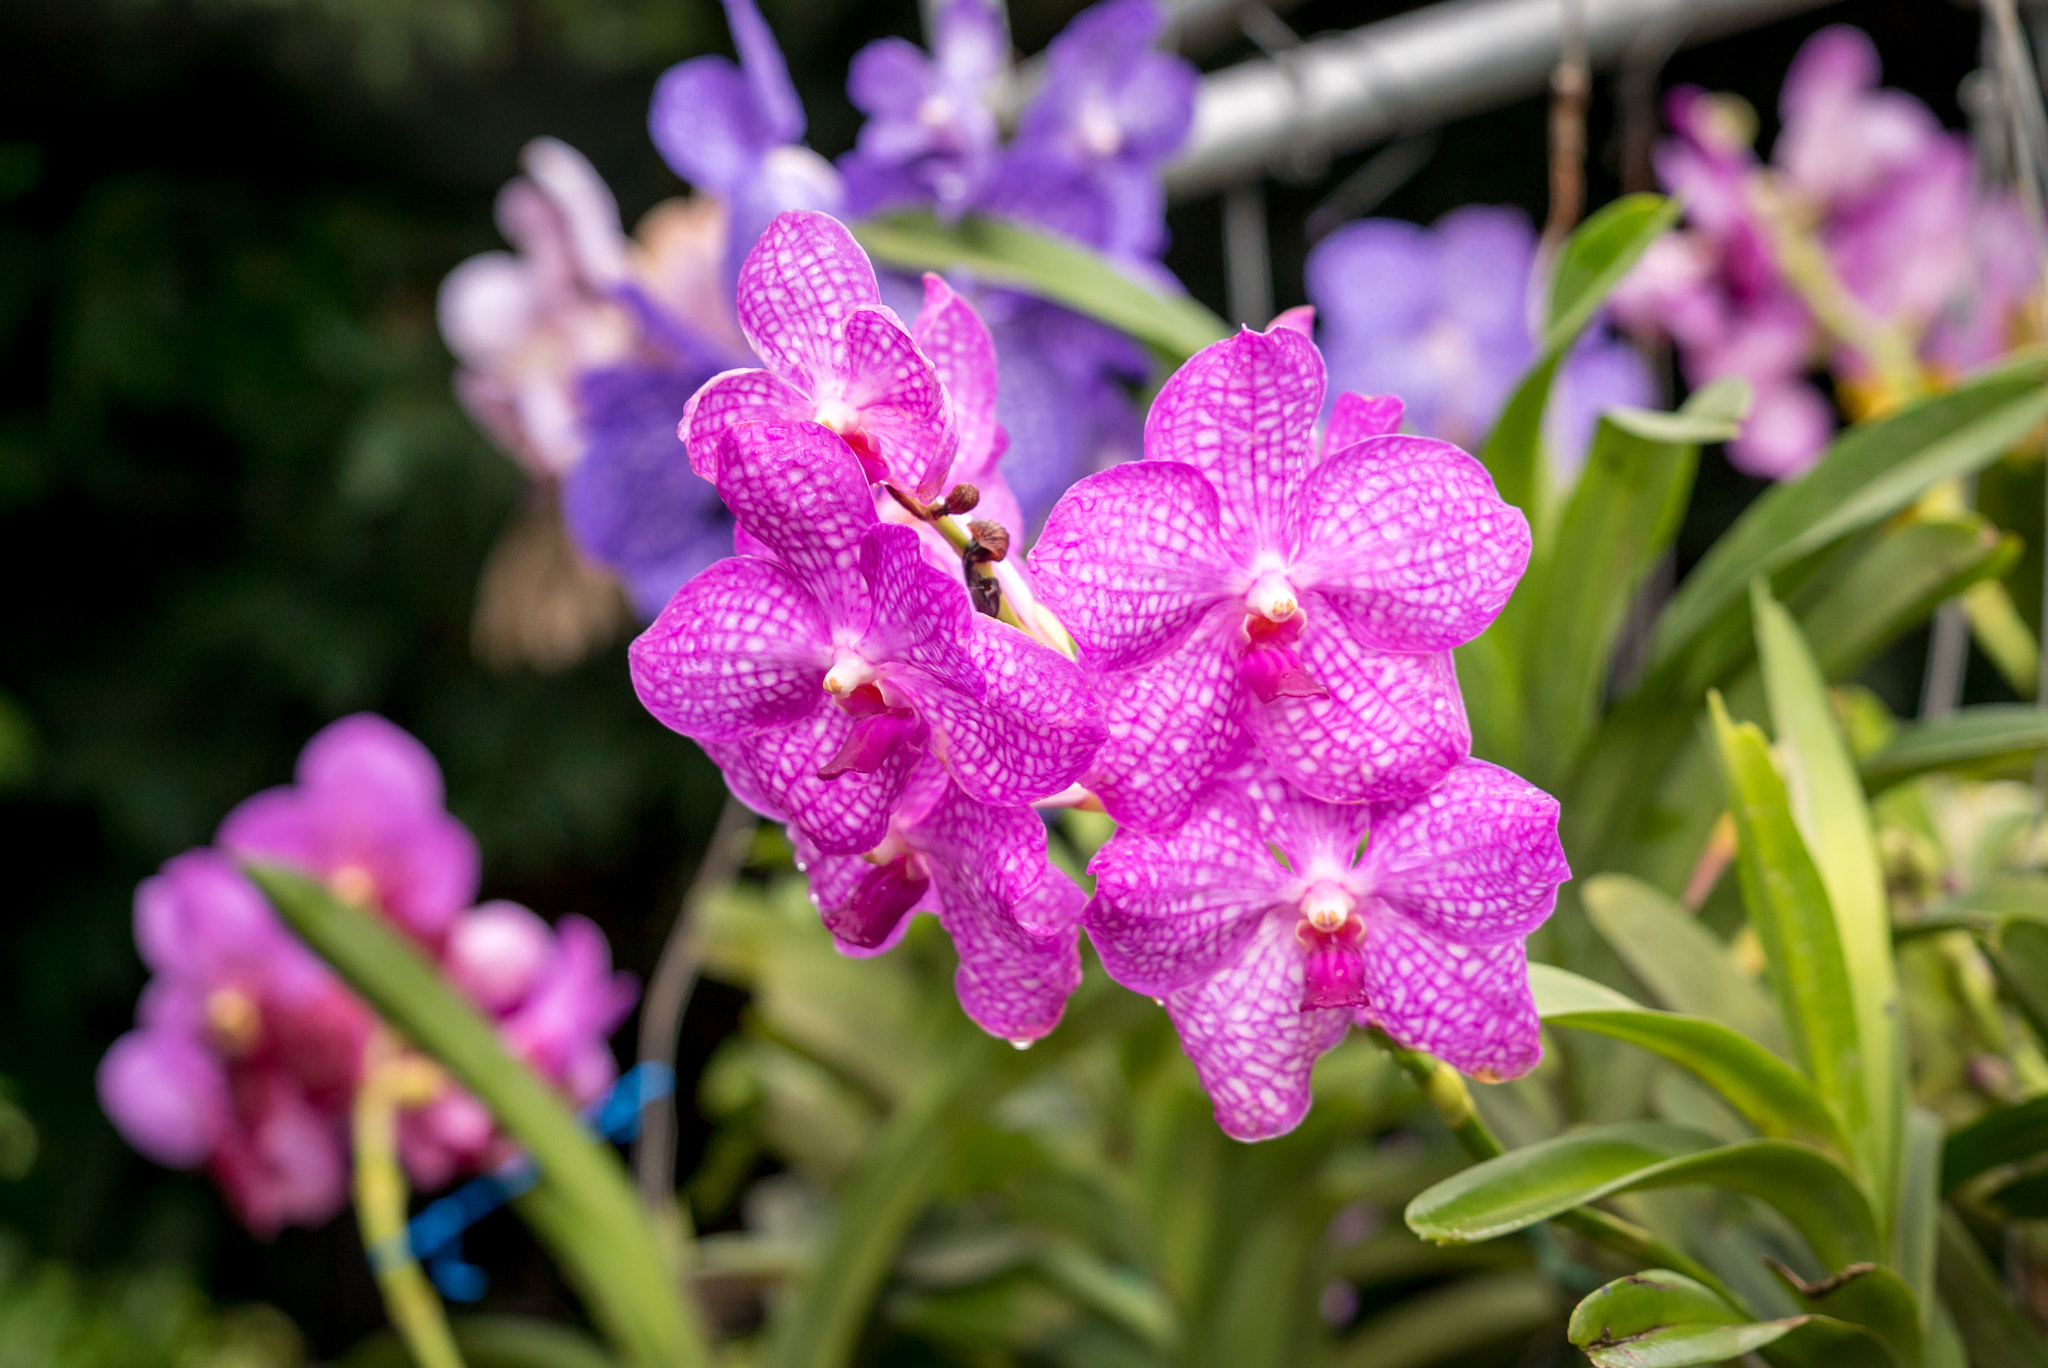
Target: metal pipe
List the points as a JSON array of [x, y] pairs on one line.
[[1341, 92]]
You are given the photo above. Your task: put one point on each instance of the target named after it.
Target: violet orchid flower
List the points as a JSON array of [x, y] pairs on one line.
[[1271, 921], [834, 355], [930, 135], [245, 1052], [365, 817], [736, 131], [818, 678], [1440, 316], [1237, 590], [1012, 916]]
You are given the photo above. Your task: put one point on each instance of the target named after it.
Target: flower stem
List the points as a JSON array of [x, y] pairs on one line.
[[1447, 1093], [1886, 346], [416, 1313]]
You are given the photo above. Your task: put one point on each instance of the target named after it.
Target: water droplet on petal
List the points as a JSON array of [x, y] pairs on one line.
[[1020, 1044]]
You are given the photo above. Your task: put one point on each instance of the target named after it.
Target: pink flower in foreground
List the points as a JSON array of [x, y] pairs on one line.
[[834, 354], [1271, 921], [983, 871], [365, 816], [1237, 589], [818, 678]]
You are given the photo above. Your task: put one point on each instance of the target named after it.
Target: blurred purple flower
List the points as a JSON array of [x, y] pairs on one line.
[[1270, 921], [1440, 317], [365, 817], [930, 136], [983, 872], [735, 131], [818, 678], [1236, 590], [834, 354]]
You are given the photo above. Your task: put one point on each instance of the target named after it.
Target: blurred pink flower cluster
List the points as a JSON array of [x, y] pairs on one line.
[[247, 1050], [1866, 245]]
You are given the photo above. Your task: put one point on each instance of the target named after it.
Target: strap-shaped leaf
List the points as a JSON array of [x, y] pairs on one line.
[[583, 1205], [1772, 1095], [1789, 910], [1872, 471], [494, 1342], [1000, 252], [1447, 1324], [1682, 963], [2009, 1135], [1917, 1217], [1543, 1180], [1992, 1330], [1623, 512], [1994, 738], [1832, 817], [1592, 262], [1661, 1319]]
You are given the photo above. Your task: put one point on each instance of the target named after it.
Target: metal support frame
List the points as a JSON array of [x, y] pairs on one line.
[[1335, 94]]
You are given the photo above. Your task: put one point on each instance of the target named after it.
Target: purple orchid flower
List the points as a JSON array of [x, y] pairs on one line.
[[1440, 316], [735, 131], [835, 354], [930, 136], [982, 870], [365, 816], [1271, 921], [1235, 590], [818, 678]]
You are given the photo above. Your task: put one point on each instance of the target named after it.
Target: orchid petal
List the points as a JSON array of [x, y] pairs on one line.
[[737, 396], [1407, 540], [1391, 726], [800, 280], [741, 648], [952, 334], [1171, 726], [1355, 417], [1243, 412], [798, 490], [1469, 1006], [1131, 558], [921, 614], [1475, 861], [1252, 1044], [776, 774], [903, 407]]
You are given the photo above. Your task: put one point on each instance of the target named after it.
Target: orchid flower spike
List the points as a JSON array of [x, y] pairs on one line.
[[1271, 921], [834, 354], [1237, 590], [818, 672]]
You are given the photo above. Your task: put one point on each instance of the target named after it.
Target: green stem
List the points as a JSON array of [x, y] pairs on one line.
[[1446, 1091], [1805, 265], [416, 1313]]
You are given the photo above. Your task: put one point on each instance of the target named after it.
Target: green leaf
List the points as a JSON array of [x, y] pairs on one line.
[[1993, 739], [2009, 1135], [493, 1342], [2018, 948], [1540, 1181], [1594, 259], [1788, 908], [1678, 959], [999, 252], [1623, 513], [1872, 471], [1661, 1319], [1772, 1095], [1832, 817], [1995, 1333], [583, 1207], [1452, 1322], [1915, 1229]]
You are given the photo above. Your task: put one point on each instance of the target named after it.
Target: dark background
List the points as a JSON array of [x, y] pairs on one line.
[[236, 499]]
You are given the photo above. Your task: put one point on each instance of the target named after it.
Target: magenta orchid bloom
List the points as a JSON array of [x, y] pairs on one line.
[[1271, 921], [365, 816], [810, 306], [1236, 590], [818, 678], [1012, 916]]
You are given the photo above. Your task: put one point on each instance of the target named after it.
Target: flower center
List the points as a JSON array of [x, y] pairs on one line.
[[1272, 597], [354, 885], [935, 110], [233, 1021], [1327, 906], [1099, 131], [842, 417], [848, 675]]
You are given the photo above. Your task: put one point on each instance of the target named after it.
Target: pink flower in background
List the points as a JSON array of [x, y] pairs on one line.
[[983, 872], [365, 816], [1236, 589], [818, 678], [1271, 921], [835, 355], [248, 1051]]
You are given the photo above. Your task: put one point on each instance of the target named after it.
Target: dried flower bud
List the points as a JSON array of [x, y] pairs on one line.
[[963, 499], [991, 541]]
